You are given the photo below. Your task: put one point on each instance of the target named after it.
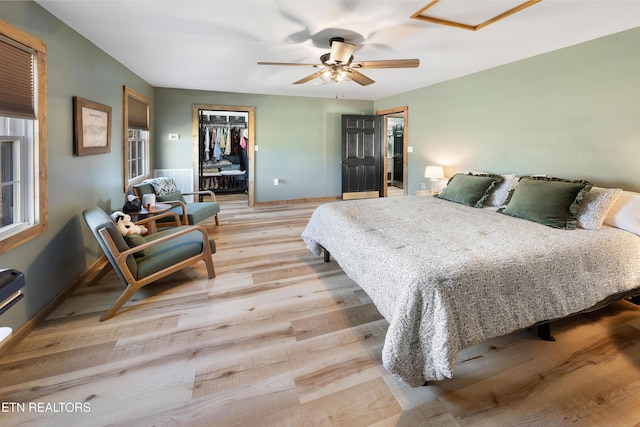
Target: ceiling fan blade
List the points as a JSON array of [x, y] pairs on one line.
[[360, 78], [391, 63], [340, 53], [292, 64], [308, 78]]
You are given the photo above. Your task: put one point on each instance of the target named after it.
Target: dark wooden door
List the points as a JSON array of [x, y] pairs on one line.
[[362, 161]]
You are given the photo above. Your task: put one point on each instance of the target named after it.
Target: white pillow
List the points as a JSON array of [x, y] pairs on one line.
[[162, 185], [500, 192], [625, 212], [595, 206]]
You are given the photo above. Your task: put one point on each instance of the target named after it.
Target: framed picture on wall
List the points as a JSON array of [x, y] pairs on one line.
[[91, 127]]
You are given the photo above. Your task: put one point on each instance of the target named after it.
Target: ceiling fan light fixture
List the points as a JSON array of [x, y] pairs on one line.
[[336, 74], [337, 66]]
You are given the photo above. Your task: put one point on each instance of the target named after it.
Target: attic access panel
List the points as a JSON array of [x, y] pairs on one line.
[[470, 15]]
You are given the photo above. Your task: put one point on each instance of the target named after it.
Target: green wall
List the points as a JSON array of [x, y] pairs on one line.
[[299, 139], [76, 67], [571, 113]]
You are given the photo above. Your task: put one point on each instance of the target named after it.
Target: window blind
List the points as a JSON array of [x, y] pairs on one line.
[[138, 116], [16, 85]]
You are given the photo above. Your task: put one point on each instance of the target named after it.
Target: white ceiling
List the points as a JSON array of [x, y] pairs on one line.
[[214, 45]]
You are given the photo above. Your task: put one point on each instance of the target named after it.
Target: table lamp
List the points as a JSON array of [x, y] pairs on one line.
[[434, 173]]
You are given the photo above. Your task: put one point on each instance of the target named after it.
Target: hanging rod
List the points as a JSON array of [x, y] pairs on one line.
[[224, 125]]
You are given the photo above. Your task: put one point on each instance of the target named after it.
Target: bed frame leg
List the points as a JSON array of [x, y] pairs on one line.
[[544, 332], [327, 255]]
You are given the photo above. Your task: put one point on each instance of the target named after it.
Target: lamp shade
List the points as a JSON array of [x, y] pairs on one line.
[[434, 172]]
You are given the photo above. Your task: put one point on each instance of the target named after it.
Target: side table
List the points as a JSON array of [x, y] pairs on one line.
[[146, 212]]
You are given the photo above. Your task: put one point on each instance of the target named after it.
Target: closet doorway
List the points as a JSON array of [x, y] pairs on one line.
[[396, 171], [223, 146]]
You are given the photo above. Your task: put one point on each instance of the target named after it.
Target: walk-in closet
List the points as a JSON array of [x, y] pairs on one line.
[[224, 141], [224, 137]]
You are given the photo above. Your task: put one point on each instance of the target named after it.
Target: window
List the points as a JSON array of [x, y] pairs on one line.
[[137, 140], [137, 163], [23, 137]]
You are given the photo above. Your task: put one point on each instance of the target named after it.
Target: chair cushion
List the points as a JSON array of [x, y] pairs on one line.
[[196, 212], [171, 252]]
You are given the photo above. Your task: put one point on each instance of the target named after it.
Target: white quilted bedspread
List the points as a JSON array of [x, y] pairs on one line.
[[447, 276]]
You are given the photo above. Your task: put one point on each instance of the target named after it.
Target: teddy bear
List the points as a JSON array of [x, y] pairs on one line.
[[124, 224]]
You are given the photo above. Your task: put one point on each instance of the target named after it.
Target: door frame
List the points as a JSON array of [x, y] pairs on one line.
[[405, 159], [195, 136]]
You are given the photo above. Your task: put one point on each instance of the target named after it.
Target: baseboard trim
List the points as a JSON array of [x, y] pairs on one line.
[[94, 273]]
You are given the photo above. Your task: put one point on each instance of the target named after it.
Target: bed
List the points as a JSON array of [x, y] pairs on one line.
[[447, 276]]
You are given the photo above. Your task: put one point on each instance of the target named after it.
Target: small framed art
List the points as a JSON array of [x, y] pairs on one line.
[[91, 126]]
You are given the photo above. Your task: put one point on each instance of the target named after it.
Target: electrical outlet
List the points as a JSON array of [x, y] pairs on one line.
[[174, 136]]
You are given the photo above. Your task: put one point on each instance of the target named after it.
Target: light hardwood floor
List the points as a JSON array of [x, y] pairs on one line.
[[280, 338]]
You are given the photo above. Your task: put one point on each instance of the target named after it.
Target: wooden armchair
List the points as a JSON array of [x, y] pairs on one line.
[[143, 260], [190, 213]]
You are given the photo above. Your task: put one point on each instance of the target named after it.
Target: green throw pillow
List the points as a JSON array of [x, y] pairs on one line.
[[134, 240], [468, 189], [549, 201]]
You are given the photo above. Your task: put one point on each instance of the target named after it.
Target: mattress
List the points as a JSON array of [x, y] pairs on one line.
[[447, 276]]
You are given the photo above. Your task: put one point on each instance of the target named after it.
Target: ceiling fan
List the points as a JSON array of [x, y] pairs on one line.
[[338, 66]]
